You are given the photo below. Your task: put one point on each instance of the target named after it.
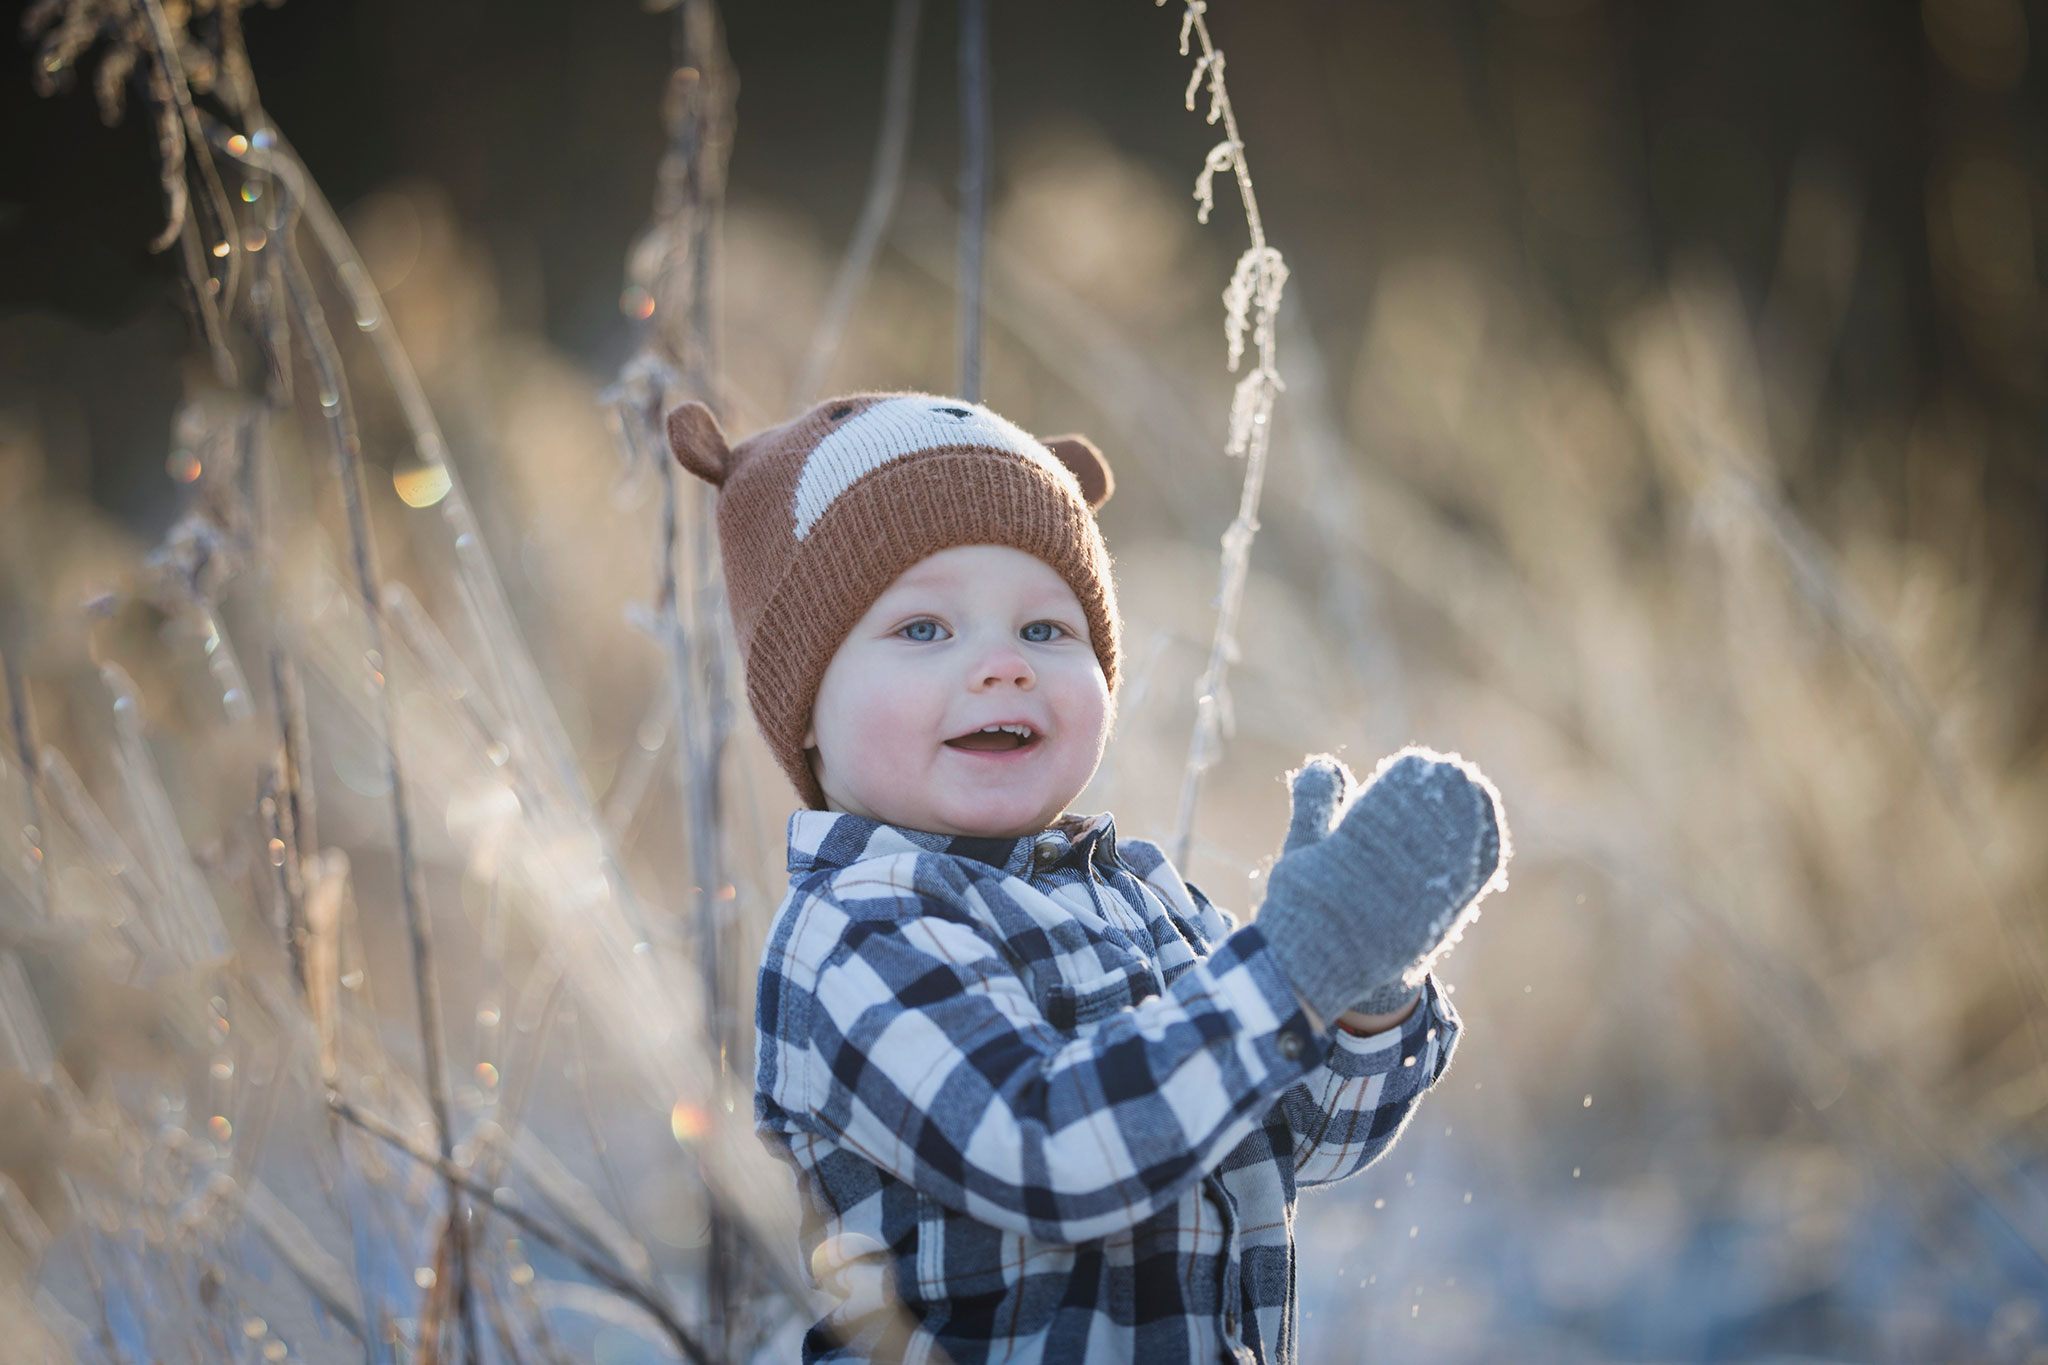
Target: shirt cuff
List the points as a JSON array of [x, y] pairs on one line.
[[1433, 1021]]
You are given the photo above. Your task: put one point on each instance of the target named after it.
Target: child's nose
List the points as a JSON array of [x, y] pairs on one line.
[[1004, 663]]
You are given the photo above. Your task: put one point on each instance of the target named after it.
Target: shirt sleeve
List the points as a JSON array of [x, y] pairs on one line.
[[1348, 1110], [920, 1047]]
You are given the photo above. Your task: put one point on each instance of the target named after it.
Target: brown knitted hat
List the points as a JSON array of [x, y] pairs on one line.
[[817, 517]]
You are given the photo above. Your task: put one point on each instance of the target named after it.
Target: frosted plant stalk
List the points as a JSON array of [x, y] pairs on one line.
[[597, 1267], [140, 41], [974, 158], [669, 1054], [1251, 302], [25, 752], [892, 144], [176, 923], [672, 269]]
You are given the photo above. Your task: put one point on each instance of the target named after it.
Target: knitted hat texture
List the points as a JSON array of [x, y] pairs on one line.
[[817, 517]]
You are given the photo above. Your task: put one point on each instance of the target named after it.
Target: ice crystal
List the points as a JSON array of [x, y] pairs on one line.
[[1222, 157], [1257, 283]]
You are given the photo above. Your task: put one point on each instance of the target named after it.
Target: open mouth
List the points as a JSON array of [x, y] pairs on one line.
[[996, 739]]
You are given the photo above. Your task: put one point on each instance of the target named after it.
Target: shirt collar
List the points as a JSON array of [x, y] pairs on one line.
[[831, 839]]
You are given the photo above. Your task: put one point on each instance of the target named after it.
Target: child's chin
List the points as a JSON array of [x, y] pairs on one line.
[[997, 815]]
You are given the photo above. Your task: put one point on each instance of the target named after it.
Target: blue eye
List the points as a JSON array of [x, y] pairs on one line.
[[922, 631], [1044, 626]]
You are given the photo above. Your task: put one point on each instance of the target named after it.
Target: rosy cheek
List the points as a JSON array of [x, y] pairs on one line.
[[1087, 702], [894, 717]]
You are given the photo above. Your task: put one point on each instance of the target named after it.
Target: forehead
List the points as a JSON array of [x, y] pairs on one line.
[[979, 569]]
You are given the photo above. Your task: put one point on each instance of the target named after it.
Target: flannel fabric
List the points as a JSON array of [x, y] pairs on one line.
[[1045, 1102]]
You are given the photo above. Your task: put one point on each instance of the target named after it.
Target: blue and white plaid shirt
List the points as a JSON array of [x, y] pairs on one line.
[[1046, 1103]]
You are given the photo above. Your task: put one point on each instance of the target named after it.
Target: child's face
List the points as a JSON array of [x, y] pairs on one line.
[[972, 636]]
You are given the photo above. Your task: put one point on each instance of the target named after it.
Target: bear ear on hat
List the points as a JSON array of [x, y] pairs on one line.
[[699, 443], [1079, 454]]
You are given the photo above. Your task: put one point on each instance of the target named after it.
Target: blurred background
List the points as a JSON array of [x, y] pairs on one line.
[[1664, 429]]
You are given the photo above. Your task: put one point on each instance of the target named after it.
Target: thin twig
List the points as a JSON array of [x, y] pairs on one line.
[[594, 1266], [316, 965], [708, 121], [25, 754], [712, 111], [185, 916], [974, 156], [293, 803], [679, 357], [1817, 582], [116, 862], [206, 287], [1082, 346], [494, 1313], [526, 697], [297, 745], [339, 410], [587, 1104], [287, 893], [535, 724], [899, 87]]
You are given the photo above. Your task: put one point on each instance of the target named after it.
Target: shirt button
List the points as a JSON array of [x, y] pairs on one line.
[[1047, 849], [1290, 1044], [1230, 1323]]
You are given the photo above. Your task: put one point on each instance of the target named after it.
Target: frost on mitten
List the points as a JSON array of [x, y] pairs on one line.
[[1358, 914]]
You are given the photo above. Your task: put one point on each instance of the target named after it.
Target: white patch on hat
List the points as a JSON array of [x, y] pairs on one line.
[[896, 427]]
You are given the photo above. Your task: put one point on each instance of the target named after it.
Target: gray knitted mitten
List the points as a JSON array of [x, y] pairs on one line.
[[1374, 884]]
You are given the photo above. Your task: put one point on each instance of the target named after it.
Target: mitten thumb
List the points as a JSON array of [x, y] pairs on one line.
[[1321, 788]]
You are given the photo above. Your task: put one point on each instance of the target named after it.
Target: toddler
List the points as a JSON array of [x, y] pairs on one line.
[[1043, 1100]]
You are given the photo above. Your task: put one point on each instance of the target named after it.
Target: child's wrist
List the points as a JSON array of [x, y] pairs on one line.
[[1360, 1024]]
